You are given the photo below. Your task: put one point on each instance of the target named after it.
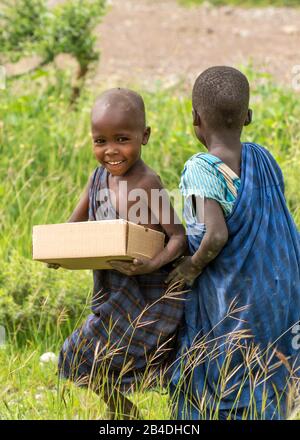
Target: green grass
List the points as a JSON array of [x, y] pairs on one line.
[[245, 3], [46, 158], [30, 390]]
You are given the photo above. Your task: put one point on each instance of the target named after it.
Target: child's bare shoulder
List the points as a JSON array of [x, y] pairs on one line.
[[150, 179]]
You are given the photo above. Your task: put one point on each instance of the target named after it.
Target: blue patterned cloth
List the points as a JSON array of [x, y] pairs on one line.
[[247, 299]]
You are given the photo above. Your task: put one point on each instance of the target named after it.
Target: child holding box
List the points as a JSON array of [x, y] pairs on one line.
[[134, 322]]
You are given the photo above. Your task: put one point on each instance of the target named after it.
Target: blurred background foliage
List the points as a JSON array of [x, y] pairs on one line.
[[246, 3]]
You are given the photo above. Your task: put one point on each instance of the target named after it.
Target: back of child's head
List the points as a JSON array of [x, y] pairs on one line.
[[221, 98], [122, 100]]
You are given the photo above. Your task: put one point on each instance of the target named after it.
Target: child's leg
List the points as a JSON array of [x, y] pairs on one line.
[[118, 405], [72, 366]]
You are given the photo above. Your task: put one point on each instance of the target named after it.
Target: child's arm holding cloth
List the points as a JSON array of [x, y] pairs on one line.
[[215, 238]]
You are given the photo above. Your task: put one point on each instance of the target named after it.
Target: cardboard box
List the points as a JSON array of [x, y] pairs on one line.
[[89, 245]]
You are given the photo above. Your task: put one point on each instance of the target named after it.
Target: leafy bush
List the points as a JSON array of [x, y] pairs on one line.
[[29, 27]]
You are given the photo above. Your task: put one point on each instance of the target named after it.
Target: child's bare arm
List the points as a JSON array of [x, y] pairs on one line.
[[215, 238], [170, 223], [81, 211], [216, 235], [172, 227]]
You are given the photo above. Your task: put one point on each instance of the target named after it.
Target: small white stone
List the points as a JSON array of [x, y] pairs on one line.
[[244, 33], [48, 357], [290, 30]]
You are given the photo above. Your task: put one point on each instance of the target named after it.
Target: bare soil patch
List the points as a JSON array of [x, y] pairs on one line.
[[144, 41]]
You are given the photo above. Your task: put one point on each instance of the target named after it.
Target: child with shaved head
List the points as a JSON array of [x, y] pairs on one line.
[[133, 324], [236, 344]]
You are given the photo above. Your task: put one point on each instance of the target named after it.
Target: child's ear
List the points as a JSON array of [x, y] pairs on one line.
[[146, 135], [196, 119], [248, 117]]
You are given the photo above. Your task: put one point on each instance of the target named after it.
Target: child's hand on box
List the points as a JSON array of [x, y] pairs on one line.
[[52, 265], [135, 267]]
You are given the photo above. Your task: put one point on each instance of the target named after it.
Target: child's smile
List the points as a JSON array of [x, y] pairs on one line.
[[115, 166]]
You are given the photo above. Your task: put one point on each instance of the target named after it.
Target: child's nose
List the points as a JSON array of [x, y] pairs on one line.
[[112, 149]]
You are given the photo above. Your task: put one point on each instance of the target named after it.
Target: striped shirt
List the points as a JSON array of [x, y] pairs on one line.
[[207, 176]]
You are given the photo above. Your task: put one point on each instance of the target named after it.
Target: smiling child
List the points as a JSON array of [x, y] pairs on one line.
[[132, 321]]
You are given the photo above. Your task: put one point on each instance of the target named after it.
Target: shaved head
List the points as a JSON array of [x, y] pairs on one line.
[[221, 97], [123, 101]]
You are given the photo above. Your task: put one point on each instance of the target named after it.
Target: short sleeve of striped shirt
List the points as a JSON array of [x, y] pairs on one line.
[[201, 178]]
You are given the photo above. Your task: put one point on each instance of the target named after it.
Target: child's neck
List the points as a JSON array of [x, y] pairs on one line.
[[226, 146], [224, 140]]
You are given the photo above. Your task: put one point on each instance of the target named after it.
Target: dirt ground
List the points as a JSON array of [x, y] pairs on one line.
[[142, 41]]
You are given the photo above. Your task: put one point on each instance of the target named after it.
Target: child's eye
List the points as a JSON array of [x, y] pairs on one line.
[[122, 139], [99, 141]]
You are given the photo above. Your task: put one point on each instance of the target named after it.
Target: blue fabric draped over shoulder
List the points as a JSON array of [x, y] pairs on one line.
[[246, 303]]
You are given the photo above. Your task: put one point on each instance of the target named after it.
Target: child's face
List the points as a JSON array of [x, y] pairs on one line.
[[117, 140]]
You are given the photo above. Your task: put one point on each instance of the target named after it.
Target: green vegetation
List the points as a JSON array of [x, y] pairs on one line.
[[30, 390], [30, 27], [246, 3], [46, 159]]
